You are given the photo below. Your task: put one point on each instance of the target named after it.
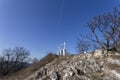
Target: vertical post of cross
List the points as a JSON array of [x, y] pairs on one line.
[[64, 49]]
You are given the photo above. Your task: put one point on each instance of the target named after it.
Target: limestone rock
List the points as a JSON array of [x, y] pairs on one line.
[[79, 67]]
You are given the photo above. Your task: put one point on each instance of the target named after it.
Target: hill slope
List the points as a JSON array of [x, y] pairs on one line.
[[76, 67]]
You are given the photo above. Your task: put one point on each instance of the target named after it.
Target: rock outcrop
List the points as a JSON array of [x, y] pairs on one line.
[[79, 67]]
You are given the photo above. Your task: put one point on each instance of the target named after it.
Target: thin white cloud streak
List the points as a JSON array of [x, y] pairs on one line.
[[61, 12]]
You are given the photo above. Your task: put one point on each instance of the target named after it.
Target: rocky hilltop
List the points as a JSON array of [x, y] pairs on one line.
[[90, 66]]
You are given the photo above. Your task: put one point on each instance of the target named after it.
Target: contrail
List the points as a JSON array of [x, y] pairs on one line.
[[61, 12]]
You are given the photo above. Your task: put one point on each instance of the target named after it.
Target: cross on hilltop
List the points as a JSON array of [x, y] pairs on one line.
[[62, 49]]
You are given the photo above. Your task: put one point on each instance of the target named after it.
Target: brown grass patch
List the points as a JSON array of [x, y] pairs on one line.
[[34, 67]]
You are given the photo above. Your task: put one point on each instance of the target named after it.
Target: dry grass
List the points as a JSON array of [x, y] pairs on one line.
[[113, 67], [115, 57], [34, 67], [97, 76]]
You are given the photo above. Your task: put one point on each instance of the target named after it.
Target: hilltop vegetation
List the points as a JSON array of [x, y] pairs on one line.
[[72, 67]]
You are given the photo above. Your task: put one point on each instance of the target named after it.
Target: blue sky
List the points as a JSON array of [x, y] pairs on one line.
[[41, 25]]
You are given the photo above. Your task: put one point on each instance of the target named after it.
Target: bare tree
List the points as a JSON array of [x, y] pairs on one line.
[[8, 57], [13, 60], [82, 46], [35, 60], [104, 29], [1, 65], [21, 55], [116, 37]]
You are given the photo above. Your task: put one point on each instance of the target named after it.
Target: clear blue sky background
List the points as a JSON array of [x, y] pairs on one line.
[[41, 25]]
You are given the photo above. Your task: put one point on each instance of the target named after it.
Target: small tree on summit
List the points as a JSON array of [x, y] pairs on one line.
[[35, 60], [82, 46]]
